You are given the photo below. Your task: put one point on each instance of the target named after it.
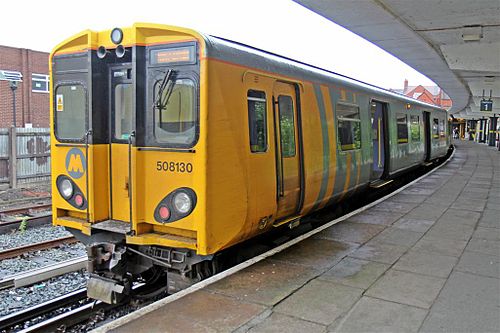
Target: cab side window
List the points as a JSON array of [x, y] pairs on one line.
[[257, 121], [349, 126]]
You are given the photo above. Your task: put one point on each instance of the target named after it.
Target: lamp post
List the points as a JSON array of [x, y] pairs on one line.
[[13, 87]]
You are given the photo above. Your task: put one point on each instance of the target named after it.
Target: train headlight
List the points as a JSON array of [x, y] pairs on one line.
[[116, 35], [66, 188], [182, 203]]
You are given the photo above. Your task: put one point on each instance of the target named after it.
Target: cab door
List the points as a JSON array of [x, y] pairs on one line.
[[122, 127], [287, 150]]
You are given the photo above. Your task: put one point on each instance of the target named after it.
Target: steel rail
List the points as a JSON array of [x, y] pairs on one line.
[[40, 274], [41, 309], [14, 252], [24, 210]]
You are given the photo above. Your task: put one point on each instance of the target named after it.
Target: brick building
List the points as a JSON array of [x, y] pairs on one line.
[[28, 70], [428, 94]]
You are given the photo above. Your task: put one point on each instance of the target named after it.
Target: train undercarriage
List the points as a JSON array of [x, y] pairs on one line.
[[115, 266]]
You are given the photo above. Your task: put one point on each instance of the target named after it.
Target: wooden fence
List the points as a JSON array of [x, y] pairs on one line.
[[24, 155]]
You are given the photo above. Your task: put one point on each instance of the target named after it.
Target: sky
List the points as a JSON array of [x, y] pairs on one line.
[[280, 26]]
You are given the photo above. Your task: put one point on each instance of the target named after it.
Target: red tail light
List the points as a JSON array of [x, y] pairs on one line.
[[78, 200], [164, 212]]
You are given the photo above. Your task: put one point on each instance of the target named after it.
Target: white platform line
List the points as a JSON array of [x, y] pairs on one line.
[[202, 284]]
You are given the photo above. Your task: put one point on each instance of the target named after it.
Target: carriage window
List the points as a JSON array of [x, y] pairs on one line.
[[435, 128], [70, 107], [123, 111], [349, 125], [441, 128], [402, 123], [287, 127], [257, 122], [175, 112], [415, 128]]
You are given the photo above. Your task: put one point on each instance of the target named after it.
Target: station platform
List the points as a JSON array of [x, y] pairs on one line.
[[427, 259]]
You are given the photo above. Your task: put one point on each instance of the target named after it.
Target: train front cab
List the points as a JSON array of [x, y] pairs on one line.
[[128, 149]]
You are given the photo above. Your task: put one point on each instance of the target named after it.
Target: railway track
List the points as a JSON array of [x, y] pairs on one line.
[[16, 251], [33, 215]]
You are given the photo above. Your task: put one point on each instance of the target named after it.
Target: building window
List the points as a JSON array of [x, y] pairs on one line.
[[257, 123], [435, 128], [402, 123], [349, 125], [40, 83], [415, 128]]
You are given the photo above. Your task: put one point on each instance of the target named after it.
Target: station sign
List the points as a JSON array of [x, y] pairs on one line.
[[486, 105]]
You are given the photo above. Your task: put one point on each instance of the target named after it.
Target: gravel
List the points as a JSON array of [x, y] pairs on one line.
[[31, 235], [40, 259], [13, 300]]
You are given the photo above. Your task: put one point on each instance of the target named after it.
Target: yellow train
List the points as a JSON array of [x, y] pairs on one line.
[[169, 146]]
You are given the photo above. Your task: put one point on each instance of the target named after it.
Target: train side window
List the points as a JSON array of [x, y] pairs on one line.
[[287, 127], [441, 128], [257, 121], [70, 111], [435, 128], [415, 128], [402, 123], [349, 126]]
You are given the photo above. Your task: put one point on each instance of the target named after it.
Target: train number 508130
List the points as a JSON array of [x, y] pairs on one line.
[[174, 166]]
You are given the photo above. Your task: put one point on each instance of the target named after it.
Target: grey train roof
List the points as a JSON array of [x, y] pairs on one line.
[[226, 50]]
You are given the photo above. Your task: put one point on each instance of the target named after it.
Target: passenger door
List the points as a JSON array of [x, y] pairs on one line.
[[287, 149], [378, 114], [122, 126], [427, 135]]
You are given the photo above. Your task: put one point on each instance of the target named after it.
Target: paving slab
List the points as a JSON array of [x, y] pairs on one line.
[[467, 303], [469, 204], [427, 211], [351, 232], [277, 323], [453, 231], [490, 218], [197, 312], [407, 288], [480, 264], [266, 282], [426, 263], [376, 217], [397, 236], [354, 272], [320, 302], [316, 253], [489, 247], [408, 197], [418, 225], [492, 234], [460, 216], [376, 315], [379, 252], [394, 206], [437, 245]]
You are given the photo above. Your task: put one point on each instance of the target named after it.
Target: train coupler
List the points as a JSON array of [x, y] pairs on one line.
[[106, 290]]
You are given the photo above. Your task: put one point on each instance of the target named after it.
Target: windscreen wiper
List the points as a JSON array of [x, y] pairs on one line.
[[167, 82]]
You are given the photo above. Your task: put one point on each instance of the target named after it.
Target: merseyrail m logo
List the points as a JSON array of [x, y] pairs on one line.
[[75, 163]]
